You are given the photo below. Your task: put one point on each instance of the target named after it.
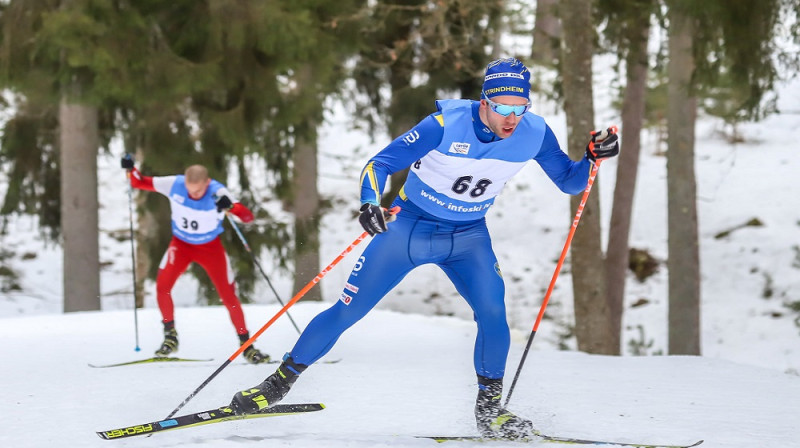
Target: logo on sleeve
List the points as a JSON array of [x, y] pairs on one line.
[[346, 299], [411, 137], [459, 147], [351, 288], [497, 269]]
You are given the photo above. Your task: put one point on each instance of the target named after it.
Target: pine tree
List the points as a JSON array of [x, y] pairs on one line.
[[55, 60], [708, 41], [628, 31]]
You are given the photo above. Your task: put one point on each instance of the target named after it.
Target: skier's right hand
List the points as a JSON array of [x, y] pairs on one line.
[[127, 162], [372, 219]]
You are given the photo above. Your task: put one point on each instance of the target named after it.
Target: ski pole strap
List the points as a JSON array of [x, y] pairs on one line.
[[238, 232]]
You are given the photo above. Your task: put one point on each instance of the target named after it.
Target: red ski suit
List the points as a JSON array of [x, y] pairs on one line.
[[198, 215]]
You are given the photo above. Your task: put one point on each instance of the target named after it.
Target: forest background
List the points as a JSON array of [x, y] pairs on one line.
[[245, 87]]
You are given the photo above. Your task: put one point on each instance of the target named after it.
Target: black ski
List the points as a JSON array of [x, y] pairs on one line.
[[148, 361], [555, 439], [219, 415]]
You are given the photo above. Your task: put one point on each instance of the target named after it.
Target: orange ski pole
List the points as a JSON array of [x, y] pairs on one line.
[[291, 302], [560, 263]]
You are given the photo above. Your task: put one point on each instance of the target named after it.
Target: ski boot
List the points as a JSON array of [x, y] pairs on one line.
[[170, 344], [252, 354], [271, 391], [493, 420]]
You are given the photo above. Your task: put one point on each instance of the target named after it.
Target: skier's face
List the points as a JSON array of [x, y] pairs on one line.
[[492, 113], [197, 189]]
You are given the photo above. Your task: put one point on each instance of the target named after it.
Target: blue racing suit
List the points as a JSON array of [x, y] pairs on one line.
[[458, 166]]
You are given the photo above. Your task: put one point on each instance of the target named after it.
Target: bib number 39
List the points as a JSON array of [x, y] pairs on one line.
[[463, 183], [190, 224]]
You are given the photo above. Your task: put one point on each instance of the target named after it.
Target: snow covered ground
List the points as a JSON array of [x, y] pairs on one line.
[[400, 375]]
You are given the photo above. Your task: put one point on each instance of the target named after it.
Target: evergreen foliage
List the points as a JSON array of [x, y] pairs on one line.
[[218, 82], [736, 54], [422, 50], [181, 82]]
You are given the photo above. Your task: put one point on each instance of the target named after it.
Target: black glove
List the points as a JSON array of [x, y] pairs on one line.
[[372, 219], [223, 203], [127, 162], [604, 144]]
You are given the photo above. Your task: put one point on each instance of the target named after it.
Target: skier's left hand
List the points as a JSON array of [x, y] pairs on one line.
[[223, 203], [604, 144]]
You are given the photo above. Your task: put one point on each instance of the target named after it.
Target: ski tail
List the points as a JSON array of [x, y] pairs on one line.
[[157, 359]]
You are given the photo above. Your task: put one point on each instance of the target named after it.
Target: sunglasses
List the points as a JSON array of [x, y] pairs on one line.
[[506, 110]]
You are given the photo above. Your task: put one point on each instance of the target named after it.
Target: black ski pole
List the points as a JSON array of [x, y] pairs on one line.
[[133, 262], [255, 261]]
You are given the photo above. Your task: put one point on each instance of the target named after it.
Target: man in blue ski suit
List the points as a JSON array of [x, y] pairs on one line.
[[460, 157]]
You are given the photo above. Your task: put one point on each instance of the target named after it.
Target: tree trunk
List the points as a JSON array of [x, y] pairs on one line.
[[305, 203], [592, 327], [147, 227], [633, 104], [401, 119], [306, 216], [546, 33], [78, 143], [684, 259]]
